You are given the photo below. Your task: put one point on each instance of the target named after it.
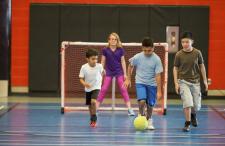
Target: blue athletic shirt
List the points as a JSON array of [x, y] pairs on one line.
[[146, 68]]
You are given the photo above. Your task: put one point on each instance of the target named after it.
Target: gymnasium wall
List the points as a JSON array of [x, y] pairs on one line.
[[20, 35], [93, 23]]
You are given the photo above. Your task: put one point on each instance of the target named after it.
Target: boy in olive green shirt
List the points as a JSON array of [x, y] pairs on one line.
[[188, 67]]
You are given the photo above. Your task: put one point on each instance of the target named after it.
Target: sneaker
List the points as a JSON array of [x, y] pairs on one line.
[[131, 112], [187, 126], [194, 121], [150, 125], [93, 124]]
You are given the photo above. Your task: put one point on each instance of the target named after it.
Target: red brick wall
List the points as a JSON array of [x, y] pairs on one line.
[[20, 35]]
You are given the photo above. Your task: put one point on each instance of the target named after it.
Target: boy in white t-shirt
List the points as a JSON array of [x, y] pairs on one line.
[[91, 78]]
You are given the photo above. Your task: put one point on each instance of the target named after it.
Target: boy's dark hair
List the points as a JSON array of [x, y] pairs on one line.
[[91, 52], [147, 42], [187, 34]]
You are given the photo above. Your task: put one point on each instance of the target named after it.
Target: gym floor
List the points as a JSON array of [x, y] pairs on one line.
[[34, 121]]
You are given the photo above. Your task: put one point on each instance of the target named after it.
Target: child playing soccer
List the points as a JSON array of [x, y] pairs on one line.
[[114, 62], [148, 79], [91, 78], [188, 66]]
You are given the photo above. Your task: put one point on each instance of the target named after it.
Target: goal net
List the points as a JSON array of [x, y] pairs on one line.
[[72, 92]]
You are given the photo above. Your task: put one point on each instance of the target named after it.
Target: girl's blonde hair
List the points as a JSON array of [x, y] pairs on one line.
[[119, 44]]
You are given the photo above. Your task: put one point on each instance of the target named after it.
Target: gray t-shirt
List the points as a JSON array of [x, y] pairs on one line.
[[188, 65]]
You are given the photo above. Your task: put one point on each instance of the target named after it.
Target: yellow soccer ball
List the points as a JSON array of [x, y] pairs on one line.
[[140, 123]]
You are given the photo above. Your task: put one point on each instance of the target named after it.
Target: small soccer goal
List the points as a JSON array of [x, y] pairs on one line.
[[73, 57]]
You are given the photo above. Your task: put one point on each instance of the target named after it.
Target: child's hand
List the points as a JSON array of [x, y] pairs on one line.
[[127, 83], [125, 77], [206, 86], [87, 85]]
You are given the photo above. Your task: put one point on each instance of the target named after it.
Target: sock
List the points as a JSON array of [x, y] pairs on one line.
[[193, 115], [94, 118], [188, 123]]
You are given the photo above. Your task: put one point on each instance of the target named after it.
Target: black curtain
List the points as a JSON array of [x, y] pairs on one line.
[[93, 23]]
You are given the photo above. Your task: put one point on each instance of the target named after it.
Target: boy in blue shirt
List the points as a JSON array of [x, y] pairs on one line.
[[148, 78]]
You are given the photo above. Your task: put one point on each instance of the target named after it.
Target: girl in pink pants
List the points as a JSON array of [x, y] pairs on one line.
[[115, 66]]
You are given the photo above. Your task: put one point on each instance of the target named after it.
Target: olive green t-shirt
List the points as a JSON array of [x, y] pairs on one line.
[[188, 65]]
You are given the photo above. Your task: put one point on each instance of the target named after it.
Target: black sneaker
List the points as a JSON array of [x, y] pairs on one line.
[[187, 126], [194, 121]]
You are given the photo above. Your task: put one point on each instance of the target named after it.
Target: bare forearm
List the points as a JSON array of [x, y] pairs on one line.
[[175, 72], [103, 61], [82, 81], [158, 82], [129, 71], [203, 72], [175, 77], [124, 67]]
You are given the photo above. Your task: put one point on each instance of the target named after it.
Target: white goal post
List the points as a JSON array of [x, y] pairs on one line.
[[73, 52]]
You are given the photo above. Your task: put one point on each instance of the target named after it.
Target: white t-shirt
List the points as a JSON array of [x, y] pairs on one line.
[[92, 76]]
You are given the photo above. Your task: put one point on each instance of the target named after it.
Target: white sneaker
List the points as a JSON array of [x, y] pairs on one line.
[[131, 112], [150, 125]]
